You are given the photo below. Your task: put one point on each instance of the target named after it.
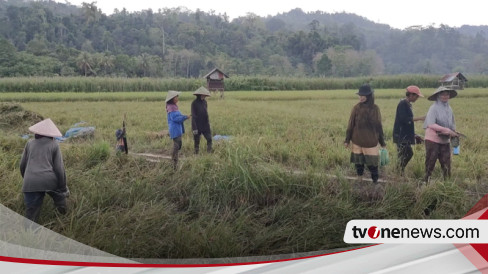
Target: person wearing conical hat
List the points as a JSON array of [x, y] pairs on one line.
[[439, 127], [403, 129], [364, 132], [200, 123], [42, 170], [175, 124]]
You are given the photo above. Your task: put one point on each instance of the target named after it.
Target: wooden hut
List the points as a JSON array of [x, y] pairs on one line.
[[215, 81], [454, 80]]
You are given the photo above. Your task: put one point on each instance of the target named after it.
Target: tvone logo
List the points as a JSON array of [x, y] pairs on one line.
[[373, 232]]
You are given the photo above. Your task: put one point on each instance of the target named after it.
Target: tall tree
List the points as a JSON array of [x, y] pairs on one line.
[[84, 62], [8, 57], [324, 65]]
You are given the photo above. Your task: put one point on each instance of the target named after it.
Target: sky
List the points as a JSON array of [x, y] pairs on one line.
[[397, 14]]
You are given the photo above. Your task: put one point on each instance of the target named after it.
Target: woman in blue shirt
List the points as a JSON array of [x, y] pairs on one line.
[[175, 123]]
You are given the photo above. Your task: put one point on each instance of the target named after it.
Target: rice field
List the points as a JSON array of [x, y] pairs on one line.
[[277, 186]]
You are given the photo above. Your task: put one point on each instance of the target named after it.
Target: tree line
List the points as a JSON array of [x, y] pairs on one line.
[[46, 38]]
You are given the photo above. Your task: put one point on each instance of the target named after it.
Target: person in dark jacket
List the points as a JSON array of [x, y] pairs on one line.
[[365, 131], [175, 124], [403, 129], [42, 170], [200, 123]]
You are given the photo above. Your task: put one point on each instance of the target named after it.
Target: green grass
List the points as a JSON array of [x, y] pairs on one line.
[[234, 83], [244, 199]]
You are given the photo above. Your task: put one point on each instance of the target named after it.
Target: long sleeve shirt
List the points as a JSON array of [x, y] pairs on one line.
[[439, 123], [175, 124], [432, 134], [403, 129], [199, 116], [365, 128], [42, 166]]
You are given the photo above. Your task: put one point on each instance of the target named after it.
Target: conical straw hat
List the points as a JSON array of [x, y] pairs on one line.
[[202, 91], [172, 94], [46, 128], [452, 93]]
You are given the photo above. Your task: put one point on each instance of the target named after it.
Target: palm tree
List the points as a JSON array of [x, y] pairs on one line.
[[144, 63], [107, 61], [91, 12], [84, 61]]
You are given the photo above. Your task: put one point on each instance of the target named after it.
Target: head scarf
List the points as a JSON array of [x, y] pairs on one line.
[[171, 108], [440, 113]]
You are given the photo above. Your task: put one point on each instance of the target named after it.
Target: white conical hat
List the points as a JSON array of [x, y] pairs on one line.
[[46, 128], [172, 94], [202, 91]]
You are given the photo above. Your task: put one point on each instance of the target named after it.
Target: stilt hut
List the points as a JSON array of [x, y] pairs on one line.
[[215, 81], [453, 80]]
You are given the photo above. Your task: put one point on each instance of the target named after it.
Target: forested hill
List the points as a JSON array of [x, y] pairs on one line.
[[48, 38]]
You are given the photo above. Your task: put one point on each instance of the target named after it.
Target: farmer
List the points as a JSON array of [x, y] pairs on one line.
[[439, 127], [175, 123], [200, 123], [403, 129], [42, 170], [365, 131]]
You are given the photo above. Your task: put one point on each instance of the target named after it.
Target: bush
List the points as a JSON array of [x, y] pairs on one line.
[[97, 154]]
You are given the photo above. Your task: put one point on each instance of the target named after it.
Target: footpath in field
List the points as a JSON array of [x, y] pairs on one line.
[[364, 189], [152, 157], [160, 157]]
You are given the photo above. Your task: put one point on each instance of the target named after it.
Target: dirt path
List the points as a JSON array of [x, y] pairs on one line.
[[152, 157], [353, 178], [160, 157]]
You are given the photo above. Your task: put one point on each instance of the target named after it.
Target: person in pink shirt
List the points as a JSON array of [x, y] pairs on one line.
[[439, 127]]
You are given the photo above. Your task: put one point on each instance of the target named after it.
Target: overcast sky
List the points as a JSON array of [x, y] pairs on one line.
[[397, 14]]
